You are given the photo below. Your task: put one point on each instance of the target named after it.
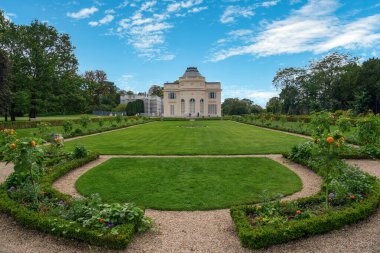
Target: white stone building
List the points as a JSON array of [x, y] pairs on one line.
[[152, 104], [192, 96]]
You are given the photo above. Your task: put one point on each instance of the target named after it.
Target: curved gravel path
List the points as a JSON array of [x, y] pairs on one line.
[[362, 237]]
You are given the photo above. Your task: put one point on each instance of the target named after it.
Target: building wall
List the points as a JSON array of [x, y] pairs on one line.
[[152, 104], [192, 88]]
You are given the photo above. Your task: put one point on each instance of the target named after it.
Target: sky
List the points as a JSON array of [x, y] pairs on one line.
[[240, 43]]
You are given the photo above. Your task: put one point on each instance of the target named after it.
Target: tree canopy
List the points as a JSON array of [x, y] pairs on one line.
[[236, 106], [42, 74], [335, 82]]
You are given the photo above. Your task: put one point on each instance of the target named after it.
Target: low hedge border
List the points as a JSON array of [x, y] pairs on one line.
[[72, 135], [268, 235], [290, 130], [53, 122], [58, 226]]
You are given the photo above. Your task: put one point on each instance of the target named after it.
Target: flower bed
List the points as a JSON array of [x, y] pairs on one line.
[[28, 196], [348, 196]]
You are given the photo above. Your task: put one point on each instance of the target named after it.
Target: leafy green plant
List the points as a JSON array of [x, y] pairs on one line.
[[118, 118], [80, 151], [368, 130], [68, 126], [85, 121], [344, 124]]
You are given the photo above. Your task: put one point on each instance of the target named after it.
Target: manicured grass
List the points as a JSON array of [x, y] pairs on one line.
[[185, 137], [188, 183]]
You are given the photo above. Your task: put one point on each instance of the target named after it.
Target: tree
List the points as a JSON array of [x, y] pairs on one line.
[[235, 106], [135, 107], [368, 81], [5, 91], [156, 90], [274, 105]]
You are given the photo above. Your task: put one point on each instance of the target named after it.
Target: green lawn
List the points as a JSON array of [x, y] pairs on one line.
[[188, 183], [185, 137]]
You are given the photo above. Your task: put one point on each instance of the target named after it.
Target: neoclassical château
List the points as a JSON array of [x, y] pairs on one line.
[[192, 96]]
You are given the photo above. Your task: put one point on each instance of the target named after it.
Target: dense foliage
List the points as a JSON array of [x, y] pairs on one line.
[[348, 195], [28, 191], [235, 106], [135, 107], [39, 74], [335, 82]]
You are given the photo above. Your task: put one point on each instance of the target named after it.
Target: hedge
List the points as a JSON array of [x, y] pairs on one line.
[[73, 134], [56, 122], [286, 129], [268, 235], [58, 226]]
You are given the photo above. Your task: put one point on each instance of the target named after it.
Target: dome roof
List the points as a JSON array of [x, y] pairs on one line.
[[192, 72]]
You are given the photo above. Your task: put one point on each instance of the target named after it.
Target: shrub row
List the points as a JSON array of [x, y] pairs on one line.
[[277, 233], [268, 235], [286, 129], [59, 226], [88, 132], [56, 122]]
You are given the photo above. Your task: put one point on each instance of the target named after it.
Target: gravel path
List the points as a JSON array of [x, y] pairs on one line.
[[203, 231]]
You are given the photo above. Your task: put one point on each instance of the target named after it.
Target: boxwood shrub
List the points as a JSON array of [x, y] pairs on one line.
[[59, 226], [268, 235], [256, 237]]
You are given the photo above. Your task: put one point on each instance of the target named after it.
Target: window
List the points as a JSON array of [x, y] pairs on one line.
[[172, 110], [212, 109], [192, 105], [183, 106], [202, 106], [212, 95], [171, 95]]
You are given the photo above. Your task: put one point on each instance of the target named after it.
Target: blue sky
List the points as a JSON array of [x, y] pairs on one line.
[[240, 43]]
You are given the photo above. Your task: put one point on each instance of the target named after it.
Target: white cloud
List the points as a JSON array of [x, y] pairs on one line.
[[9, 16], [107, 19], [109, 11], [232, 12], [270, 3], [124, 81], [312, 28], [83, 13], [145, 29], [123, 4], [177, 6], [198, 9], [147, 6], [260, 97]]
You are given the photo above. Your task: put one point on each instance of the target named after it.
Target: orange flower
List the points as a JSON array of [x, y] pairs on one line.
[[352, 197], [101, 220], [13, 146], [298, 212], [361, 201], [330, 139], [12, 131], [33, 143]]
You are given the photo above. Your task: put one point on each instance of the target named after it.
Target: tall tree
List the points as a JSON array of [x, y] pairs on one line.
[[5, 91]]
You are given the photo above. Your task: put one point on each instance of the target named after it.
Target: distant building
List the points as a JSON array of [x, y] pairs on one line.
[[192, 96], [152, 104]]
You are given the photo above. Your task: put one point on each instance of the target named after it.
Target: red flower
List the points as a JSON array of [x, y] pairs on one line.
[[330, 139], [352, 197]]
